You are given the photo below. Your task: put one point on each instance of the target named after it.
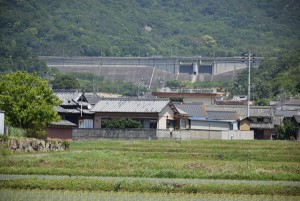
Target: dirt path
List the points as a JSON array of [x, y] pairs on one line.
[[158, 180]]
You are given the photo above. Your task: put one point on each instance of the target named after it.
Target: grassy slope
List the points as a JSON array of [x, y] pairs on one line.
[[251, 160]]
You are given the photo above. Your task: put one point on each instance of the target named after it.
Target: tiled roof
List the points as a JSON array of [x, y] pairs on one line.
[[222, 115], [193, 110], [261, 125], [131, 105], [287, 113], [241, 110], [291, 102], [69, 98], [73, 111], [60, 109], [63, 123]]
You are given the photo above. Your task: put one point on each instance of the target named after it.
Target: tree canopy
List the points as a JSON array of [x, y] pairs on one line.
[[65, 81], [273, 78], [27, 101], [150, 27]]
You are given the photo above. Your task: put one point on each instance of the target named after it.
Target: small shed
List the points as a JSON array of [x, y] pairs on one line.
[[1, 122], [61, 130]]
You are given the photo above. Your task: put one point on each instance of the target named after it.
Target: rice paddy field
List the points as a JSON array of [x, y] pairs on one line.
[[37, 195], [190, 160]]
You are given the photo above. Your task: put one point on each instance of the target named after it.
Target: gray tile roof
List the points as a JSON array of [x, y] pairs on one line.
[[131, 105], [63, 123], [222, 115], [287, 113], [261, 125], [69, 98], [241, 110], [73, 111], [193, 110], [60, 109], [291, 102]]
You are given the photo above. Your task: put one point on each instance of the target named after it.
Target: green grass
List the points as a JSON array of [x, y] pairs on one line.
[[212, 159], [150, 187], [37, 195]]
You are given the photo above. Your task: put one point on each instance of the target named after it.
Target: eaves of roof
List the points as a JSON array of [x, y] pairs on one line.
[[175, 95], [210, 120]]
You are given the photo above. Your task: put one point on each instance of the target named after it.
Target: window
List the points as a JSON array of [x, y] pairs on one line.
[[86, 123], [153, 124]]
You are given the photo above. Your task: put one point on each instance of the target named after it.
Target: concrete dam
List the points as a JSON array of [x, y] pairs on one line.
[[152, 71]]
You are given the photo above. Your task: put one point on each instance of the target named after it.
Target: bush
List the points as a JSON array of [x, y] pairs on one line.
[[66, 144], [17, 132], [121, 124]]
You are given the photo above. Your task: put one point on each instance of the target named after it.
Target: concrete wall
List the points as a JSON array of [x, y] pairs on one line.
[[1, 122], [88, 134], [152, 134], [205, 135], [204, 125], [169, 64]]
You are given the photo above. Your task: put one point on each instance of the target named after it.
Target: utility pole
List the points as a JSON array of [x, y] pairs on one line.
[[250, 58]]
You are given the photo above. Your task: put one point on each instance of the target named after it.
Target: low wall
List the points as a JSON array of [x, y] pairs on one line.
[[86, 134], [205, 135], [31, 144]]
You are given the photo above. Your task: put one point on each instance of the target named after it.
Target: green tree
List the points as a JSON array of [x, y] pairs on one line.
[[173, 83], [287, 130], [65, 81], [28, 102]]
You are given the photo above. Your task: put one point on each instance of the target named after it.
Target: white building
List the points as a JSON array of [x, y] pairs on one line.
[[1, 122]]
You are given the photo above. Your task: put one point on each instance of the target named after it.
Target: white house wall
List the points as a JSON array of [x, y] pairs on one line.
[[204, 125], [166, 113], [1, 123]]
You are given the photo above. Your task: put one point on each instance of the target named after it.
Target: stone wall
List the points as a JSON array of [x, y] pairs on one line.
[[31, 145]]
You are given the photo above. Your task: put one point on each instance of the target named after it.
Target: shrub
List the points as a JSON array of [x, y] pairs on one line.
[[66, 144], [122, 123]]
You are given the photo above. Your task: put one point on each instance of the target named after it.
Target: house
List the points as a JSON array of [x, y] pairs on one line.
[[260, 119], [75, 108], [1, 122], [236, 100], [204, 96], [289, 104], [200, 119], [152, 113]]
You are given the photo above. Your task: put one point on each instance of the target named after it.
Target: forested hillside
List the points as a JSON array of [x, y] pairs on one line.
[[148, 27]]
